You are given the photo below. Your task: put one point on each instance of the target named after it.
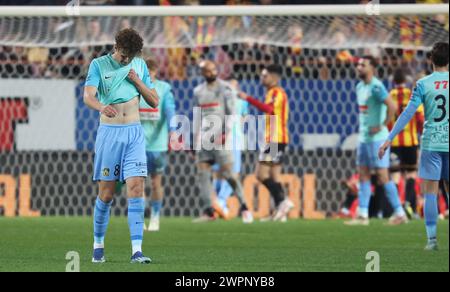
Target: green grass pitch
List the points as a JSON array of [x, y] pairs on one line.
[[41, 244]]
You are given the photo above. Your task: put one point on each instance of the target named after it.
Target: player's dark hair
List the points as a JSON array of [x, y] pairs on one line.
[[152, 64], [399, 76], [130, 42], [373, 62], [275, 69], [439, 54]]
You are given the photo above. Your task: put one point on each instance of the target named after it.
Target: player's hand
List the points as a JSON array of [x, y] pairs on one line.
[[109, 111], [242, 95], [133, 76], [175, 143], [383, 148]]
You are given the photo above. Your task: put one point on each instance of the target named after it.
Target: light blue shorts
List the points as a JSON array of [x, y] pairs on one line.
[[156, 162], [433, 165], [119, 152], [367, 155]]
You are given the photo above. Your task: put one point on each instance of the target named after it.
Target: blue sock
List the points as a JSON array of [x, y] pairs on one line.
[[101, 220], [136, 208], [155, 208], [431, 215], [394, 199], [364, 194]]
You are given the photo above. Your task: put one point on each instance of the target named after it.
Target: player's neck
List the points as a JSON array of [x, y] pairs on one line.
[[441, 69], [368, 78], [115, 56], [212, 84]]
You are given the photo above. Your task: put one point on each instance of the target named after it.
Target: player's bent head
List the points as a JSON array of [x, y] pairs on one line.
[[399, 76], [439, 54], [129, 43]]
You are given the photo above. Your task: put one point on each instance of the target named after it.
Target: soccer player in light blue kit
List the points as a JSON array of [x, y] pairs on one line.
[[113, 87], [432, 92], [376, 109], [157, 131]]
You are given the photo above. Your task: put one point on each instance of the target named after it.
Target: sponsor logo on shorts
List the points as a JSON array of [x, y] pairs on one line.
[[105, 171]]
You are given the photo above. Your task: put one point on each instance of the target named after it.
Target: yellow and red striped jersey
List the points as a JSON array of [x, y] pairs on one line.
[[278, 130], [409, 137]]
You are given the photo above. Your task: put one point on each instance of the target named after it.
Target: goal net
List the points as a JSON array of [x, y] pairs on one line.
[[47, 134]]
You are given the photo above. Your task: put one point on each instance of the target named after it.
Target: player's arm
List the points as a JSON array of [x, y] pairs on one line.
[[145, 87], [170, 111], [420, 118], [404, 119], [383, 96], [392, 109], [90, 92], [264, 107]]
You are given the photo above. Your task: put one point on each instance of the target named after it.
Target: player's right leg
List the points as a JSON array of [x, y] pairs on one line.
[[364, 188], [433, 167], [205, 159], [107, 170], [101, 218]]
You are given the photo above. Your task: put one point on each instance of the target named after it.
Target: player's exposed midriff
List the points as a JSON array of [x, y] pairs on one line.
[[128, 112]]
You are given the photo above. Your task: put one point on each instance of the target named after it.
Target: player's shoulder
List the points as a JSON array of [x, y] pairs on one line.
[[277, 92], [199, 88], [139, 62], [99, 60], [225, 85], [377, 83], [165, 85]]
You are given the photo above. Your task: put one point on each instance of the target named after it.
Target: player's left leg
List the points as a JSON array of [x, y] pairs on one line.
[[433, 167], [156, 163], [223, 188], [286, 205], [382, 170], [136, 208], [227, 174], [225, 160], [134, 173]]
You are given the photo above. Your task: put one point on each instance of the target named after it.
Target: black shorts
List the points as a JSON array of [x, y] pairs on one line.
[[273, 153], [404, 158]]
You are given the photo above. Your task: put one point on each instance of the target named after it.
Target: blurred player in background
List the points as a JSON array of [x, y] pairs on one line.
[[157, 131], [269, 168], [216, 99], [222, 187], [432, 91], [113, 87], [404, 149], [376, 110]]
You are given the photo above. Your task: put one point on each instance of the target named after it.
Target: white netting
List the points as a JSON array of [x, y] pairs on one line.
[[410, 31], [46, 130]]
